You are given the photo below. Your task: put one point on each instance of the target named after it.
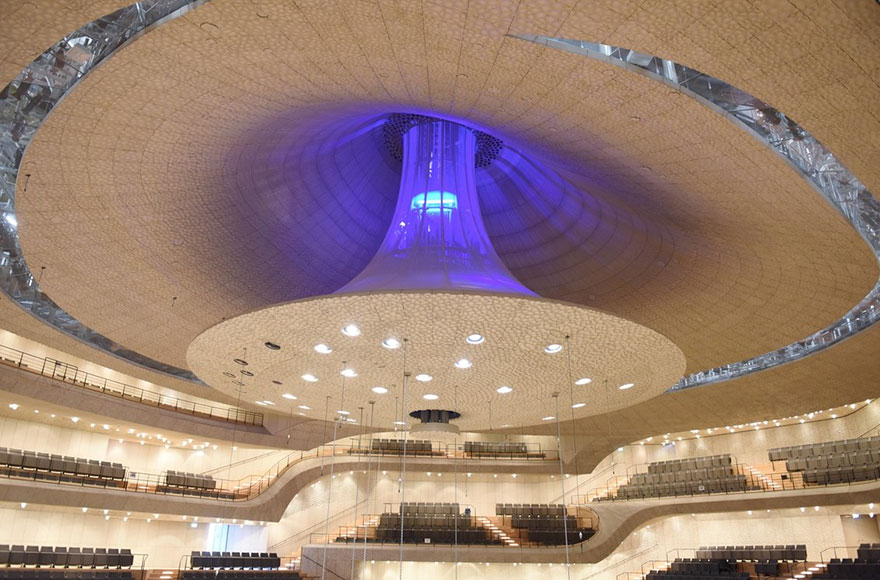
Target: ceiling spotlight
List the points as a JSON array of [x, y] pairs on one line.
[[578, 405], [548, 418], [247, 373], [475, 338], [239, 361], [289, 396], [463, 363], [626, 386], [583, 381], [310, 378], [343, 412], [75, 419], [423, 378], [305, 407], [431, 397], [277, 383], [271, 346], [351, 330], [350, 373], [504, 390], [13, 406], [552, 348], [380, 390], [400, 422], [391, 343], [268, 403], [323, 349]]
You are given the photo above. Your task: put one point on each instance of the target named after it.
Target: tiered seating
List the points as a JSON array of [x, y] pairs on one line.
[[50, 467], [425, 523], [503, 449], [51, 563], [233, 560], [790, 553], [240, 575], [396, 446], [697, 569], [867, 565], [545, 523], [833, 462], [189, 480], [712, 474]]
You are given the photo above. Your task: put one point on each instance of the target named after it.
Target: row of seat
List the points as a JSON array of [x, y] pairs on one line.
[[240, 575], [789, 553], [544, 523], [420, 508], [558, 537], [698, 474], [60, 464], [52, 477], [869, 552], [65, 557], [63, 574], [432, 521], [192, 480], [702, 566], [530, 509], [397, 446], [249, 560], [837, 475], [670, 575], [825, 448], [495, 448], [849, 569], [688, 463], [734, 483], [850, 459]]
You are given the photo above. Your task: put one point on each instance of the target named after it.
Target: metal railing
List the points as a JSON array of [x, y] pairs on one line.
[[224, 489], [70, 374], [533, 452]]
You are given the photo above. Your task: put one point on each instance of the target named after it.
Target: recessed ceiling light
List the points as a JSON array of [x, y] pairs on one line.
[[350, 373], [277, 383], [548, 418], [75, 419], [247, 373], [380, 390], [351, 330], [504, 390], [289, 396], [475, 338], [463, 363], [305, 407], [400, 422], [391, 343], [239, 361], [430, 397], [552, 348], [260, 403], [271, 346], [578, 405], [228, 374], [583, 381], [423, 378], [310, 378], [343, 412], [268, 403], [13, 406], [323, 348], [626, 386]]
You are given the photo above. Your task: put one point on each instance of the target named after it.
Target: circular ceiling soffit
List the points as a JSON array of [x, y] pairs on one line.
[[612, 350]]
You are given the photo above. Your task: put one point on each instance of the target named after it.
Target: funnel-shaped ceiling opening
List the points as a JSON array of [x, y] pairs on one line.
[[437, 240]]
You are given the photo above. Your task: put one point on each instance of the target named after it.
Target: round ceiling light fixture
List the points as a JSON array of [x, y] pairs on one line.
[[323, 348], [423, 378], [578, 405], [626, 386], [343, 412], [475, 338], [239, 361], [247, 373], [391, 343], [351, 330], [463, 363], [504, 390], [305, 407], [271, 346], [310, 378], [550, 418], [289, 396], [583, 381], [430, 397], [553, 348], [380, 390], [349, 373]]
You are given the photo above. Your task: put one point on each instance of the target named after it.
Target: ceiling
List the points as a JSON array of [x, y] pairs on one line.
[[229, 160]]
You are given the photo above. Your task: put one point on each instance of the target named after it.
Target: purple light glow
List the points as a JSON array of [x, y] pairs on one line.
[[437, 240]]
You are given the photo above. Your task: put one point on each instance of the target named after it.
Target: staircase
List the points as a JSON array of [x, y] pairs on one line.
[[161, 574], [511, 537]]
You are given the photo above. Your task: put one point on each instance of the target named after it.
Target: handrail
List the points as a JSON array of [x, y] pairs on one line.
[[319, 565], [321, 523], [70, 374]]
